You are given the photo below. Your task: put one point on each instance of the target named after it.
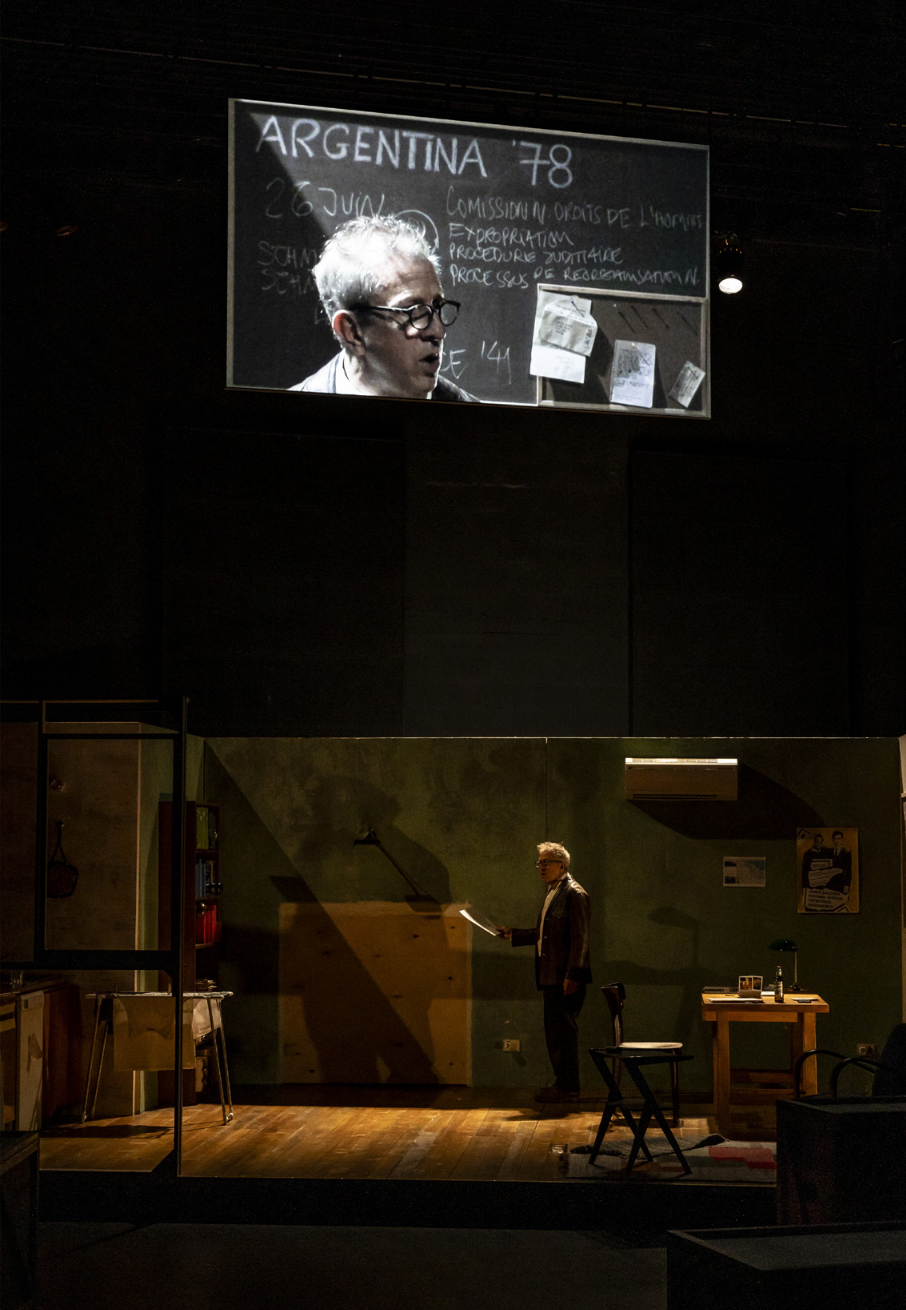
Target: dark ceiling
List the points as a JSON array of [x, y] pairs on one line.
[[803, 104], [809, 62]]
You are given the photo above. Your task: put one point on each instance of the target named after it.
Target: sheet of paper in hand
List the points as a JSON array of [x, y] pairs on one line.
[[633, 374], [480, 920]]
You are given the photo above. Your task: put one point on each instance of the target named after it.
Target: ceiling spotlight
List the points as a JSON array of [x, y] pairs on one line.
[[728, 262]]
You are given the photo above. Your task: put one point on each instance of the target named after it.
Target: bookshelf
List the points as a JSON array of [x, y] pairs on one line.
[[201, 917], [203, 855]]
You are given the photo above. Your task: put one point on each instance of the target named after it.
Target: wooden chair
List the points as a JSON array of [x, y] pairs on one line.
[[650, 1108], [615, 996]]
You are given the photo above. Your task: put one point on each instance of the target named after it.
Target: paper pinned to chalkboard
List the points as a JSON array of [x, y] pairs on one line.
[[565, 325], [688, 381], [633, 374], [550, 358], [480, 920]]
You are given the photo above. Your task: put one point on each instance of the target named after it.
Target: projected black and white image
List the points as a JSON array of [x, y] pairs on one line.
[[413, 258]]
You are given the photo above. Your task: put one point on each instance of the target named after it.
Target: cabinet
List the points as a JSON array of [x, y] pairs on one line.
[[841, 1161]]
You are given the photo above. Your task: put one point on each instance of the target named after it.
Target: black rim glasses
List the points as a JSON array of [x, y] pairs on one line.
[[416, 316]]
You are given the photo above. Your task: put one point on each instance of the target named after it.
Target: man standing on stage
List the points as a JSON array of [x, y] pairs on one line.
[[562, 967]]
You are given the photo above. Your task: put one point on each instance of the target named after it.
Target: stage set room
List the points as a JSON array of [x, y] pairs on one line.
[[485, 814]]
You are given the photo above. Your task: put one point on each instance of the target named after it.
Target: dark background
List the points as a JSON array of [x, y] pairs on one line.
[[307, 565]]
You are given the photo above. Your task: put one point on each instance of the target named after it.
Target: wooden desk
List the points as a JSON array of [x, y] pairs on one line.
[[798, 1011]]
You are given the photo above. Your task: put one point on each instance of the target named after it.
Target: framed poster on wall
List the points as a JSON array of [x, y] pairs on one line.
[[828, 861]]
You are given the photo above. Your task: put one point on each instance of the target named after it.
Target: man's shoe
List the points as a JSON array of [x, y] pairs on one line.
[[555, 1095]]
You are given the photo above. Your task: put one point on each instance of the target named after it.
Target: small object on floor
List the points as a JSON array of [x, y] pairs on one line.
[[555, 1094]]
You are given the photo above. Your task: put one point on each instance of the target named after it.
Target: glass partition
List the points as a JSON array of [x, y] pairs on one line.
[[92, 884]]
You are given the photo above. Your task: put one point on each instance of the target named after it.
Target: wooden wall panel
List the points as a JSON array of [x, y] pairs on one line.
[[373, 992]]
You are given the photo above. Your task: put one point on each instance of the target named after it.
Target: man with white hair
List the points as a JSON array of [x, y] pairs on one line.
[[379, 283], [562, 966]]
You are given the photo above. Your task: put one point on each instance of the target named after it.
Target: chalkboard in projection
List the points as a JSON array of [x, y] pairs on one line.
[[507, 210]]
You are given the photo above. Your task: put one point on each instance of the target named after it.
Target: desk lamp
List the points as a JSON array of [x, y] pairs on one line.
[[785, 944]]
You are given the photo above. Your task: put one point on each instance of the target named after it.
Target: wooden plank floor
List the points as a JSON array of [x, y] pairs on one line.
[[462, 1133]]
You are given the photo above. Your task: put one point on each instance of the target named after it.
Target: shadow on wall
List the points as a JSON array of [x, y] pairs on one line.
[[339, 809], [286, 1009], [765, 811], [690, 979]]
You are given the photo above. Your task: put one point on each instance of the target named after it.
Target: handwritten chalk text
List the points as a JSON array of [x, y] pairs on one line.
[[381, 147]]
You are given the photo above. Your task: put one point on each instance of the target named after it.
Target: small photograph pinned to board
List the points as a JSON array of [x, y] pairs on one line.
[[828, 862]]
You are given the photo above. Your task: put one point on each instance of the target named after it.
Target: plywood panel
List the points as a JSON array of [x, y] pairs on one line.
[[373, 992]]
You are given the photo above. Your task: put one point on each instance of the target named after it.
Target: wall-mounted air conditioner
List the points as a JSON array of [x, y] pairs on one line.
[[680, 780]]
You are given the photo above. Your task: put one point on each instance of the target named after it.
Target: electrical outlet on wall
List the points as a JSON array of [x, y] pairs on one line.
[[512, 1044], [867, 1049]]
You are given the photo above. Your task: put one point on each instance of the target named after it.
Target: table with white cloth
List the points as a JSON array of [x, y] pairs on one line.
[[143, 1025]]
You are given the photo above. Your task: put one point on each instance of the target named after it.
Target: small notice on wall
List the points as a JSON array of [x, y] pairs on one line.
[[745, 871], [828, 860]]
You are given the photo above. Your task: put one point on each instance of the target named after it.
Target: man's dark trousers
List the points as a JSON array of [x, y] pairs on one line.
[[561, 1032]]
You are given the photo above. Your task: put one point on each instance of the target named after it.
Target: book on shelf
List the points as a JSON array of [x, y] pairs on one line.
[[207, 928]]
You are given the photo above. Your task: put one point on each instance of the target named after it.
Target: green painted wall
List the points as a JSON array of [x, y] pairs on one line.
[[462, 817]]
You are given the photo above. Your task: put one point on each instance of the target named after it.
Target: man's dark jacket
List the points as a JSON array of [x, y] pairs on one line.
[[564, 946], [325, 380]]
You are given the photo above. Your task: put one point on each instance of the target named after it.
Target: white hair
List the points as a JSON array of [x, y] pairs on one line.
[[554, 849], [354, 259]]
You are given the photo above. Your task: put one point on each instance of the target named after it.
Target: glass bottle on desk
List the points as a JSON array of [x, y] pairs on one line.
[[778, 984]]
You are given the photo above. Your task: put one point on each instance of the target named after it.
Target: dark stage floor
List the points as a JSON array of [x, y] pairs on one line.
[[253, 1267]]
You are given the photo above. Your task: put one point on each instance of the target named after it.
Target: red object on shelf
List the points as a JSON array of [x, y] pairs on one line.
[[207, 927]]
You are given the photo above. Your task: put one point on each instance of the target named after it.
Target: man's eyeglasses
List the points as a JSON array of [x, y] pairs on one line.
[[417, 316], [542, 864]]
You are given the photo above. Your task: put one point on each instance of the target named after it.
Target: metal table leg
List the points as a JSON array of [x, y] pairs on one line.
[[226, 1068], [108, 1022], [98, 1002], [220, 1081]]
